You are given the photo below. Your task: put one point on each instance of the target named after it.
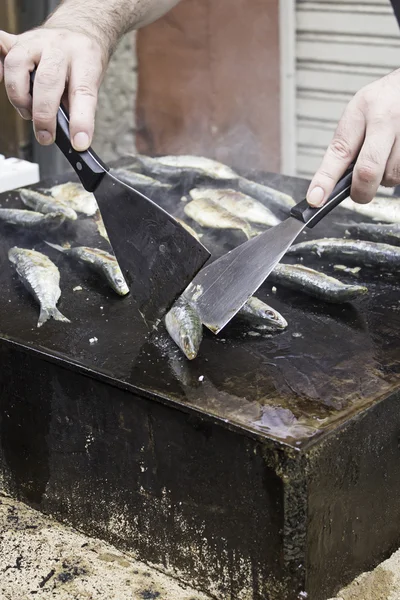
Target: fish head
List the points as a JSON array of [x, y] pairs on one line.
[[116, 277], [273, 317], [13, 254]]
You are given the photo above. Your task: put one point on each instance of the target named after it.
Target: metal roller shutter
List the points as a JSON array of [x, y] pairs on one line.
[[340, 47]]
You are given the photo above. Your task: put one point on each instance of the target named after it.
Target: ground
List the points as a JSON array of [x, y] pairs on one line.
[[42, 559]]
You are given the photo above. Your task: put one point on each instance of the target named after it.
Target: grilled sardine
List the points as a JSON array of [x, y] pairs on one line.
[[351, 252], [314, 283], [185, 327], [42, 278], [100, 261], [46, 204]]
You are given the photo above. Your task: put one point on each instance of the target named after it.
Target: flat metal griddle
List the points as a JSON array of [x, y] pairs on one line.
[[289, 387]]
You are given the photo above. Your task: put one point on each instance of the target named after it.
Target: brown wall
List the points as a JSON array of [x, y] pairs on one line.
[[209, 82]]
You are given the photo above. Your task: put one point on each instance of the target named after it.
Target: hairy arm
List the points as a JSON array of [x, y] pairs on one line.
[[71, 52]]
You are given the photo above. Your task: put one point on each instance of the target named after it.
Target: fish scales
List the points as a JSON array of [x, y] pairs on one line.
[[76, 197], [172, 168], [210, 214], [141, 182], [375, 232], [272, 197], [29, 219], [42, 278], [100, 261], [46, 204], [314, 283], [386, 210], [357, 252], [239, 204], [185, 327]]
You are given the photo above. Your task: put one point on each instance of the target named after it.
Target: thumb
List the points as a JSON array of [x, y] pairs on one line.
[[342, 150]]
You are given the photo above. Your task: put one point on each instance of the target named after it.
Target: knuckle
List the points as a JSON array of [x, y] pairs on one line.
[[47, 77], [367, 172], [340, 148], [84, 89], [14, 60], [45, 117]]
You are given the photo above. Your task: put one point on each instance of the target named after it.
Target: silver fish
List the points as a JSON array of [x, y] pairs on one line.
[[173, 167], [42, 278], [375, 232], [351, 252], [238, 204], [260, 313], [185, 327], [271, 196], [28, 219], [314, 283], [76, 197], [139, 181], [386, 210], [99, 261], [46, 204], [189, 229], [210, 214]]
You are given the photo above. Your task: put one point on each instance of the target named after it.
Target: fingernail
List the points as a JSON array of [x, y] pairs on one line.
[[44, 137], [81, 141], [25, 114], [316, 196]]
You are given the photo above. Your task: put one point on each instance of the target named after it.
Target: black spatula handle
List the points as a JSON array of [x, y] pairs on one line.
[[311, 216], [87, 165]]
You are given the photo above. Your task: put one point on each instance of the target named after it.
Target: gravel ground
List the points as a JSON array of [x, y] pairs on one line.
[[39, 558], [44, 559], [381, 584]]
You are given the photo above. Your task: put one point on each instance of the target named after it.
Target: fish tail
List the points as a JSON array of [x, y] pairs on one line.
[[55, 246], [52, 312]]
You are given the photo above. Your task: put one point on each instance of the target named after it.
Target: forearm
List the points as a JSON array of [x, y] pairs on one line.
[[107, 20]]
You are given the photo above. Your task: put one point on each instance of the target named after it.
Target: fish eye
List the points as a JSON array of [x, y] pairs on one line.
[[270, 314]]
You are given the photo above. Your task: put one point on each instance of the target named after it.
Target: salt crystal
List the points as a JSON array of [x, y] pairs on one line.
[[297, 335], [274, 290], [93, 340], [201, 378], [78, 288]]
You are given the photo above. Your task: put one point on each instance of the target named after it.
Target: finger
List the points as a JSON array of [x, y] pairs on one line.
[[18, 65], [47, 91], [391, 176], [341, 152], [371, 162], [82, 93], [7, 40]]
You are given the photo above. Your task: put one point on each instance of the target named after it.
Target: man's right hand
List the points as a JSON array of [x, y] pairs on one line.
[[69, 64]]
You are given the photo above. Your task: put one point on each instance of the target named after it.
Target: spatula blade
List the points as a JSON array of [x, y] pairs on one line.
[[157, 256], [220, 289]]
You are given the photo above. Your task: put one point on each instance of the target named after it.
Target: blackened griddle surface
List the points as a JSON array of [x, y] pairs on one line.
[[331, 363]]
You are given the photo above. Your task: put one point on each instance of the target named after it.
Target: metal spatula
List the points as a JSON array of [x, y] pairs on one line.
[[157, 256], [220, 289]]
